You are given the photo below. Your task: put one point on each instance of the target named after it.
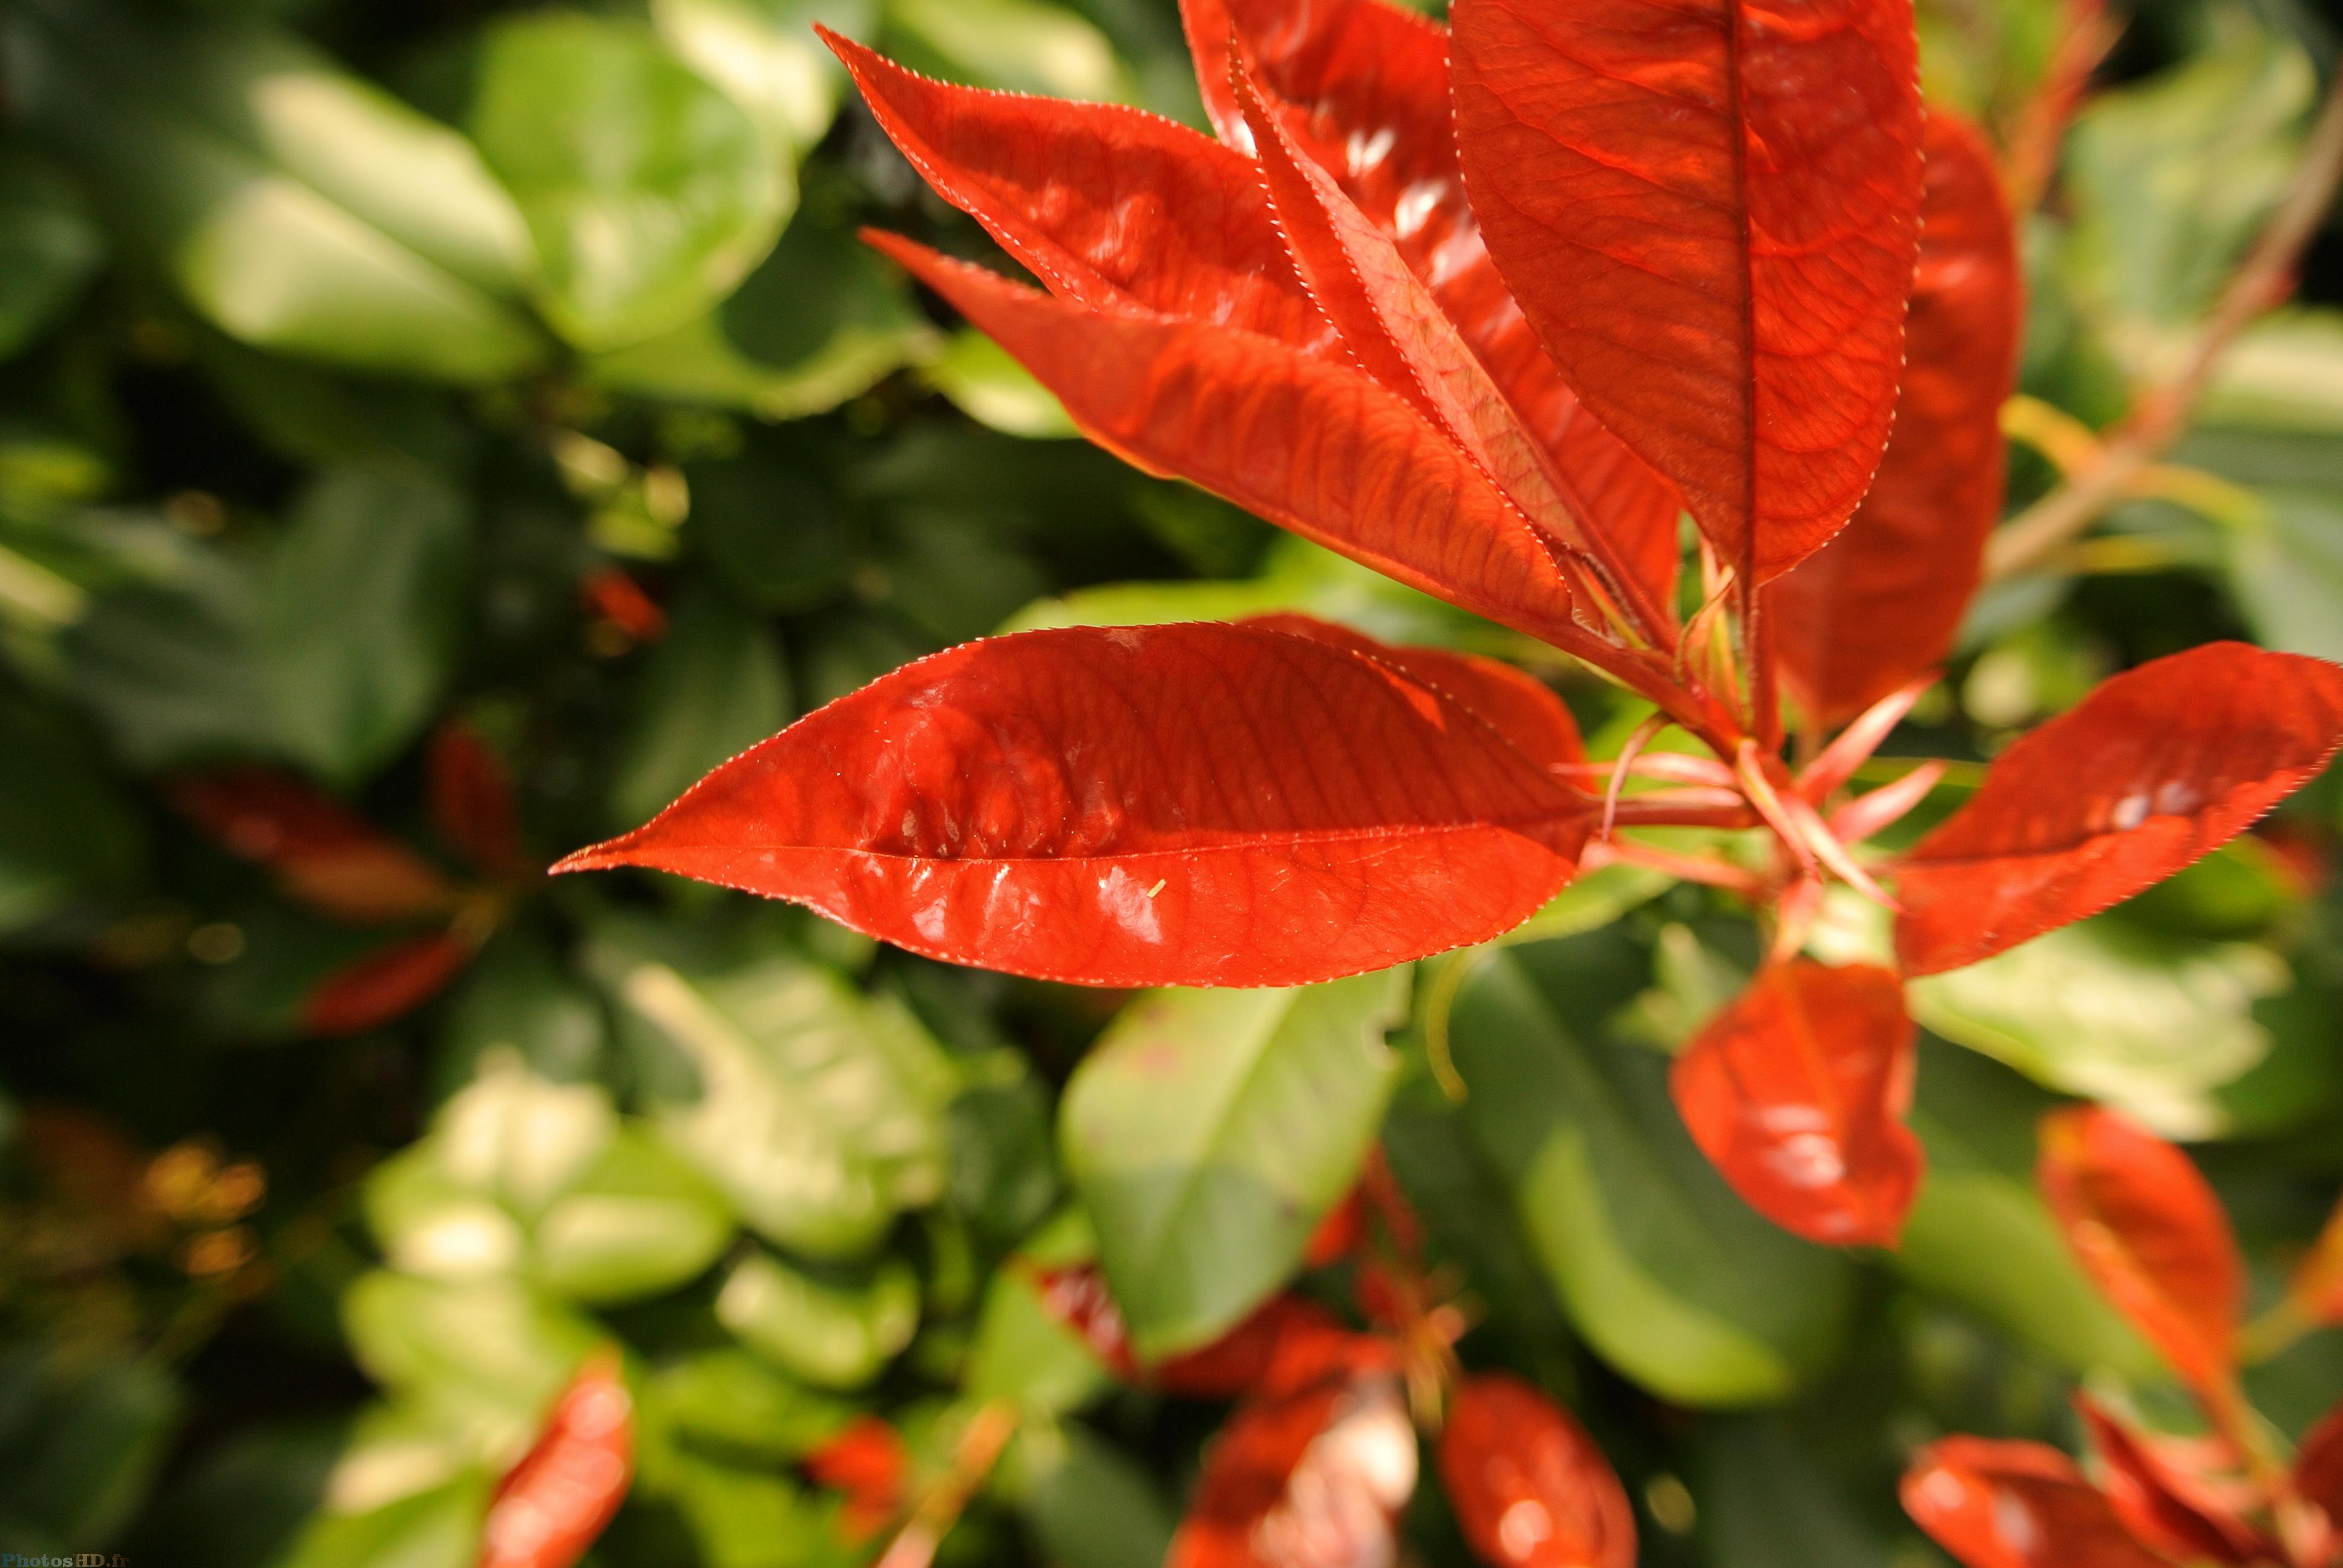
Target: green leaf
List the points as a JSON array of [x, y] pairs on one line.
[[2285, 566], [2144, 1022], [833, 1336], [1023, 1354], [2171, 176], [360, 614], [293, 206], [50, 247], [1767, 1502], [766, 55], [1666, 1273], [69, 835], [2283, 372], [80, 1442], [519, 999], [819, 1111], [774, 537], [1979, 1233], [753, 1518], [246, 1501], [737, 1402], [713, 689], [640, 1222], [650, 193], [1004, 1177], [980, 379], [486, 1356], [1210, 1130], [436, 1528], [1090, 1505], [1022, 45], [823, 320]]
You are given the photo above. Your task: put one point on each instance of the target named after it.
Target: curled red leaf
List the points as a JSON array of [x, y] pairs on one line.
[[1530, 1488], [385, 986], [2164, 1504], [550, 1507], [472, 801], [2017, 1505], [2158, 767], [870, 1463], [2151, 1234], [1880, 604], [1717, 249], [2318, 1479], [1311, 1478], [323, 853], [1797, 1091], [1170, 805]]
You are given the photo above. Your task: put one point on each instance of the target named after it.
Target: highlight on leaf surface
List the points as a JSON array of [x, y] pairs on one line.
[[2017, 1505], [552, 1506], [1170, 805], [1717, 254], [1530, 1488], [2158, 767], [1880, 604], [1797, 1091], [2149, 1232]]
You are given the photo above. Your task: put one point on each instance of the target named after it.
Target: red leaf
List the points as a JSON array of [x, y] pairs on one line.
[[1361, 87], [1171, 805], [2162, 1504], [618, 599], [1341, 1233], [1111, 207], [1311, 1479], [1880, 604], [472, 801], [2015, 1505], [1518, 705], [1312, 444], [552, 1506], [1797, 1093], [2150, 1233], [385, 986], [1530, 1488], [2319, 1473], [2316, 1288], [2159, 766], [1710, 214], [324, 854], [870, 1463], [1283, 1343]]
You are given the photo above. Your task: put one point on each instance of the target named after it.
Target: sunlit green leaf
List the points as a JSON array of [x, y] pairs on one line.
[[832, 1335], [766, 55]]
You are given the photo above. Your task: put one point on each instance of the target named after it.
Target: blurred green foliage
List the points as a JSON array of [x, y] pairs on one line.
[[373, 369]]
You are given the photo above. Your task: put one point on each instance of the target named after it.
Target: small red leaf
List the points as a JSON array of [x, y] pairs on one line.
[[1312, 444], [324, 854], [1530, 1488], [2150, 1233], [1518, 705], [472, 801], [1361, 87], [1797, 1093], [1341, 1233], [2316, 1288], [618, 599], [1308, 1479], [870, 1463], [1111, 207], [2163, 1505], [1880, 604], [2319, 1473], [2015, 1505], [385, 986], [2158, 767], [562, 1495], [1170, 805], [1710, 214]]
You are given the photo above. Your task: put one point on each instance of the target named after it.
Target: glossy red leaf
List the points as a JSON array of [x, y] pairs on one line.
[[472, 801], [385, 986], [1361, 87], [1797, 1091], [1517, 705], [1171, 805], [1312, 444], [2017, 1505], [2158, 767], [1308, 1479], [1530, 1488], [1880, 604], [550, 1506], [1709, 213], [2149, 1232], [323, 853], [870, 1463], [2319, 1474], [1111, 207], [2162, 1504], [2316, 1288]]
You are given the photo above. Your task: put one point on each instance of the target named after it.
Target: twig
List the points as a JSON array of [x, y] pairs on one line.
[[987, 1432], [2163, 411]]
